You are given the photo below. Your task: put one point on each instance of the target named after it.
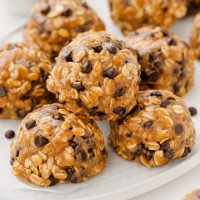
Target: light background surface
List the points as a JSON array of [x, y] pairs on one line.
[[174, 190]]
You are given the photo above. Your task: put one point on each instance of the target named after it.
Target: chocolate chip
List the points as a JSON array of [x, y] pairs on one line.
[[84, 4], [40, 141], [120, 92], [84, 155], [97, 48], [78, 86], [91, 153], [120, 111], [46, 10], [171, 41], [136, 109], [2, 91], [179, 129], [9, 134], [169, 154], [149, 155], [16, 154], [53, 180], [110, 73], [1, 110], [93, 111], [68, 56], [152, 76], [112, 49], [176, 87], [30, 124], [193, 111], [156, 93], [185, 153], [59, 117], [70, 171], [148, 124], [165, 146], [12, 161], [67, 12], [164, 103], [129, 134], [171, 98], [21, 113], [79, 102], [87, 67]]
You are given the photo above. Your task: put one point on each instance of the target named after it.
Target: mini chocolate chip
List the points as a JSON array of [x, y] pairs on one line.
[[30, 123], [84, 4], [40, 141], [2, 91], [97, 48], [179, 129], [87, 67], [136, 109], [70, 171], [171, 98], [165, 146], [120, 111], [152, 76], [120, 92], [59, 117], [21, 113], [84, 155], [93, 111], [193, 111], [176, 87], [112, 49], [164, 103], [156, 93], [10, 134], [67, 12], [53, 180], [1, 110], [79, 102], [78, 86], [91, 153], [129, 134], [16, 154], [171, 41], [185, 153], [149, 155], [169, 154], [46, 10], [148, 124], [110, 73], [68, 55], [12, 161]]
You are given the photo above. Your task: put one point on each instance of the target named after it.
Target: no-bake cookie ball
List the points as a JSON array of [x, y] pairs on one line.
[[158, 130], [133, 14], [97, 75], [54, 145], [195, 36], [24, 70], [166, 61], [53, 23]]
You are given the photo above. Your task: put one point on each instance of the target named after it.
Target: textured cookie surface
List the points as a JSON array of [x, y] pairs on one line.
[[54, 146], [97, 75], [195, 36], [24, 71], [166, 61], [133, 14], [158, 130], [53, 23]]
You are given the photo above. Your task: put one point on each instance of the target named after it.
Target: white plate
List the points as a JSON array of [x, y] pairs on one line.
[[121, 179]]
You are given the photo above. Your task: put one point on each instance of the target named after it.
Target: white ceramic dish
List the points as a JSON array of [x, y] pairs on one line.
[[121, 179]]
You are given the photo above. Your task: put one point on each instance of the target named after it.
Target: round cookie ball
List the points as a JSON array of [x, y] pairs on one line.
[[133, 14], [195, 36], [54, 145], [24, 70], [158, 130], [166, 61], [97, 75], [53, 23]]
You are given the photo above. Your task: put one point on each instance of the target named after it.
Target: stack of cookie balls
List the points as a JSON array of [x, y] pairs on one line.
[[136, 84]]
